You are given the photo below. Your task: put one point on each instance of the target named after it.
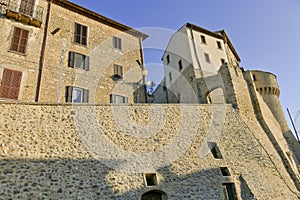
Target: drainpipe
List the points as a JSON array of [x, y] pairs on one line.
[[42, 55], [143, 69]]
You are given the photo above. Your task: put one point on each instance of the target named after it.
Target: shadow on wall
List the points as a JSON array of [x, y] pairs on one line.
[[90, 179]]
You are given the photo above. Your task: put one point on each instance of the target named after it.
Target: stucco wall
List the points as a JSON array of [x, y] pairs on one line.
[[57, 151]]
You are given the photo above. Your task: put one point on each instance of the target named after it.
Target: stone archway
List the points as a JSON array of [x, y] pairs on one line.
[[154, 195]]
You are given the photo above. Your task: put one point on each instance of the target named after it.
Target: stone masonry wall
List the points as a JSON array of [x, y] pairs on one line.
[[62, 151]]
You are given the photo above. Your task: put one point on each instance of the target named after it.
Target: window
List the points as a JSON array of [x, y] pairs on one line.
[[19, 40], [178, 98], [27, 7], [80, 34], [215, 150], [203, 39], [207, 58], [79, 61], [219, 45], [118, 99], [168, 59], [118, 71], [180, 65], [170, 76], [254, 77], [10, 84], [76, 95], [225, 171], [151, 179], [229, 191], [222, 61], [154, 195], [117, 43]]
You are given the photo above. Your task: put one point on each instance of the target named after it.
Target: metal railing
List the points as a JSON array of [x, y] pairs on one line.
[[26, 8]]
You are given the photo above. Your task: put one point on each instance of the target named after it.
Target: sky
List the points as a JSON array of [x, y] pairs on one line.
[[265, 33]]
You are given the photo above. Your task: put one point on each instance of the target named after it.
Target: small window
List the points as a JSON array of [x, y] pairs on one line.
[[76, 95], [79, 61], [118, 71], [180, 65], [207, 58], [219, 45], [203, 39], [170, 76], [225, 171], [19, 40], [222, 61], [151, 179], [229, 191], [215, 150], [117, 43], [254, 77], [178, 98], [118, 99], [168, 59], [80, 34]]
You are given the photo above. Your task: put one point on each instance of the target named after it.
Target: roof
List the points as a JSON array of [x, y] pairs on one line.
[[218, 34], [97, 17]]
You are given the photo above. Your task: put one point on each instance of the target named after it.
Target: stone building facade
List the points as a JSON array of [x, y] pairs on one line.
[[57, 51], [227, 139]]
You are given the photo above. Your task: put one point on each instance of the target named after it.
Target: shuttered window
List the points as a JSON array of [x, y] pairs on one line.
[[118, 99], [19, 40], [117, 43], [10, 84], [77, 95], [118, 71], [27, 7], [80, 34], [79, 61]]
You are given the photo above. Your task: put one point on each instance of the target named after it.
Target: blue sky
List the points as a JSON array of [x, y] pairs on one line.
[[265, 33]]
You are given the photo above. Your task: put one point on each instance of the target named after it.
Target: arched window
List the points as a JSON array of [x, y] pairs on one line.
[[154, 195]]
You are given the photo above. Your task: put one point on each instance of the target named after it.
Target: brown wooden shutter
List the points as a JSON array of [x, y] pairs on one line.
[[19, 40], [69, 92], [71, 59], [10, 85]]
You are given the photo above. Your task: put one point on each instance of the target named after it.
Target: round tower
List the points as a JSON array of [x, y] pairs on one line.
[[266, 84]]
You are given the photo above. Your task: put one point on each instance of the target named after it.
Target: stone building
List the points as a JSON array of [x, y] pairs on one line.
[[227, 139], [57, 51]]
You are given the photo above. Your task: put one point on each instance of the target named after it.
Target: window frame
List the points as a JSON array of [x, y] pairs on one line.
[[83, 38], [219, 45], [203, 39], [117, 42], [180, 65], [16, 40], [113, 99], [207, 57], [70, 94], [118, 71], [85, 61]]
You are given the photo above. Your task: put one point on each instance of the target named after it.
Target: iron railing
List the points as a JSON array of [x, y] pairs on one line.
[[27, 8]]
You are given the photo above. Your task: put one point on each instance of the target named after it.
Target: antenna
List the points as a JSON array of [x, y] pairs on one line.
[[293, 124]]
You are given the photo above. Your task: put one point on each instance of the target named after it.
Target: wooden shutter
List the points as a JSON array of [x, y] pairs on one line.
[[71, 59], [19, 40], [69, 92], [85, 96], [10, 85], [87, 63]]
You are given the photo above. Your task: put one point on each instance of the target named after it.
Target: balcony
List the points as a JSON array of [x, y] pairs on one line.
[[25, 11]]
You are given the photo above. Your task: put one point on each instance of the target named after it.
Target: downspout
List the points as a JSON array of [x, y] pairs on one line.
[[143, 68], [42, 57]]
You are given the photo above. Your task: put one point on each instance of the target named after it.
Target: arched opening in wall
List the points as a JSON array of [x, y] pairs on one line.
[[215, 96], [154, 195]]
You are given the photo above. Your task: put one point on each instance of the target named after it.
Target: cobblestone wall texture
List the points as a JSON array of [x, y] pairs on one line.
[[44, 153]]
